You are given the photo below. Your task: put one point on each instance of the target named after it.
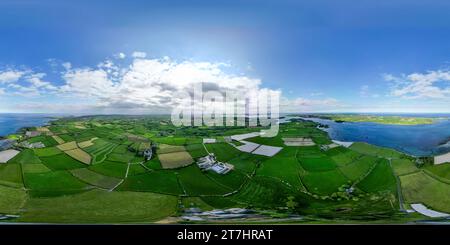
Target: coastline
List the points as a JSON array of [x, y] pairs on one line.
[[40, 122], [341, 132]]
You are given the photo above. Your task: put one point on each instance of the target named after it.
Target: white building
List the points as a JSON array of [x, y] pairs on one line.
[[209, 162]]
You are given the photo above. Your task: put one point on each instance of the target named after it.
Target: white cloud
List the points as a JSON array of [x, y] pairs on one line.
[[150, 83], [2, 91], [37, 82], [138, 54], [120, 56], [432, 85], [10, 76], [67, 65], [145, 86]]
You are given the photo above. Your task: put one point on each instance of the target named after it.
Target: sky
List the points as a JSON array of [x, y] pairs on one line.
[[133, 56]]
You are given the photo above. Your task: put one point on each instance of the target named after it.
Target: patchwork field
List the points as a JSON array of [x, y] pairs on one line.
[[79, 155], [93, 171]]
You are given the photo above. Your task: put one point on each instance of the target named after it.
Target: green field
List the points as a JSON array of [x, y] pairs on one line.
[[98, 206], [11, 174], [164, 182], [61, 162], [95, 179], [53, 183], [11, 200], [441, 170], [381, 178], [419, 187]]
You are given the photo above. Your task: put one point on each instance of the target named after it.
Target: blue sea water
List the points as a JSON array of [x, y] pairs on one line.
[[417, 140], [11, 122]]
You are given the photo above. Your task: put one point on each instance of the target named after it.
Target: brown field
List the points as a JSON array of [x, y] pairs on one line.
[[163, 148], [136, 138], [58, 139], [68, 146], [42, 129], [87, 143], [79, 155], [175, 159]]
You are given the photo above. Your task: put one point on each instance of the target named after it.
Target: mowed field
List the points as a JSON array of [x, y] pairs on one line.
[[420, 187], [172, 156], [98, 206]]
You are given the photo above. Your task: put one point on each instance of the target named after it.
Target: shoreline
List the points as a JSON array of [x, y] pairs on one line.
[[325, 129]]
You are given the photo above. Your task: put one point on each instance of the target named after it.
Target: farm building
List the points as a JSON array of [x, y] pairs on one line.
[[148, 154], [209, 162]]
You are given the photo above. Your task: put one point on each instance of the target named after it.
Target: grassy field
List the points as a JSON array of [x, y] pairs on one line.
[[79, 155], [68, 146], [11, 200], [195, 183], [283, 167], [11, 174], [165, 182], [403, 166], [48, 141], [98, 206], [381, 178], [175, 159], [324, 182], [61, 162], [95, 179], [46, 152], [359, 168], [441, 170], [109, 168], [53, 183], [419, 187], [223, 151]]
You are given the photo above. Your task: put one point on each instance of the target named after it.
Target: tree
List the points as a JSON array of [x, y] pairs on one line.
[[291, 204]]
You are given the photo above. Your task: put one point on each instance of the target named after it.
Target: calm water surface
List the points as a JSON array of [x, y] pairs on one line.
[[418, 140]]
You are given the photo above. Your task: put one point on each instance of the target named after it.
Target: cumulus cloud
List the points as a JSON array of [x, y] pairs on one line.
[[432, 85], [150, 83], [145, 86], [138, 54], [10, 76]]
